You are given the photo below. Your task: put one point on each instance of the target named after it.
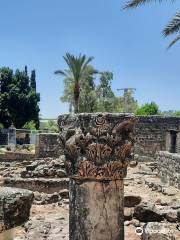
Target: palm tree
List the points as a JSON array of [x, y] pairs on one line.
[[77, 67], [172, 28]]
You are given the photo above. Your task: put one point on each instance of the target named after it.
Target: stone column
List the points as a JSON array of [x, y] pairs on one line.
[[96, 148]]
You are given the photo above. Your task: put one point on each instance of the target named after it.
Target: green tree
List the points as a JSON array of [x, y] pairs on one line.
[[52, 126], [6, 83], [33, 80], [87, 98], [105, 94], [94, 97], [176, 113], [26, 70], [148, 109], [19, 102], [77, 67], [172, 28], [129, 101]]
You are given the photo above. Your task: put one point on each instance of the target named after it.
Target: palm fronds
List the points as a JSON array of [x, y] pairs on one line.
[[174, 41], [77, 66], [59, 72], [137, 3], [173, 26]]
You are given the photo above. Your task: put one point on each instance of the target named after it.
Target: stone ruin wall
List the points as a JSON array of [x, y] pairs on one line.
[[47, 145], [168, 165], [154, 143], [152, 136]]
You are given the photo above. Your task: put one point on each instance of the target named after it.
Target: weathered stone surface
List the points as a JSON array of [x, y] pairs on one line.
[[169, 191], [131, 201], [135, 222], [43, 198], [133, 163], [147, 212], [175, 204], [97, 206], [31, 167], [38, 184], [64, 194], [128, 213], [151, 134], [99, 146], [15, 207], [47, 167], [47, 145], [156, 185], [172, 216], [168, 165], [51, 227], [16, 156], [160, 231], [40, 214]]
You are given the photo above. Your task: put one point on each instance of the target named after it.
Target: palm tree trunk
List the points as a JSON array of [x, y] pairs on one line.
[[76, 98], [76, 105]]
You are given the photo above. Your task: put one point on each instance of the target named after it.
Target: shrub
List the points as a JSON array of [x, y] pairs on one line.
[[30, 125], [1, 126], [148, 109]]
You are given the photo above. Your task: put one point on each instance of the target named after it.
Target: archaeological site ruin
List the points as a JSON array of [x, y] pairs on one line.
[[102, 177]]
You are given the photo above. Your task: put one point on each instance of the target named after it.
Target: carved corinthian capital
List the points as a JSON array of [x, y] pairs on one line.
[[96, 146]]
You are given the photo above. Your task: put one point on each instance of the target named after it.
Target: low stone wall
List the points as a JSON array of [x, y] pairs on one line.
[[168, 165], [38, 184], [47, 145], [16, 156]]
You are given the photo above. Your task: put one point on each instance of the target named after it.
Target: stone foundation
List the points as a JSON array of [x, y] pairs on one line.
[[16, 156], [168, 165], [38, 184]]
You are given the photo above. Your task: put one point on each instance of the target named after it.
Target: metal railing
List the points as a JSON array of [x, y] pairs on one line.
[[13, 136]]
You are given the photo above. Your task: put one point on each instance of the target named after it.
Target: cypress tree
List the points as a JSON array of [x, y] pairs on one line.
[[33, 80], [26, 71]]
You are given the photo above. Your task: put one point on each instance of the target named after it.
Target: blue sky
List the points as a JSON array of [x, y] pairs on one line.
[[37, 33]]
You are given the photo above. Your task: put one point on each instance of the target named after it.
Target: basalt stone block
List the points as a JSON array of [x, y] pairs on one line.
[[131, 201], [147, 212], [15, 207]]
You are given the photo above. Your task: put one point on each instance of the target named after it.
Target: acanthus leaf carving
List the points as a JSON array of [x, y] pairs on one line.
[[101, 152]]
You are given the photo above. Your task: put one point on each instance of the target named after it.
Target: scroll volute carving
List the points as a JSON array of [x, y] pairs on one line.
[[100, 150]]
